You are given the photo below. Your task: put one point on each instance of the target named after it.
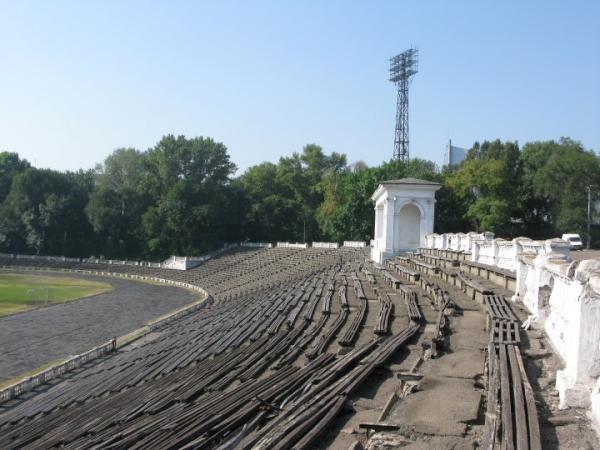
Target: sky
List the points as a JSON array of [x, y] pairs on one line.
[[81, 79]]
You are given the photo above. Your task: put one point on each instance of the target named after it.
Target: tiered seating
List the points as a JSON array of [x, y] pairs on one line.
[[352, 332], [440, 261], [450, 259], [509, 390], [501, 277], [511, 417], [386, 309], [410, 298], [217, 374], [399, 267], [502, 322]]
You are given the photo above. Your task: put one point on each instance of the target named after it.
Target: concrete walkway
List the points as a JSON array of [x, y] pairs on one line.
[[449, 394], [31, 339]]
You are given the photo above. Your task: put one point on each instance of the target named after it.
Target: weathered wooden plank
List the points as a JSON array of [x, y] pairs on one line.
[[519, 402], [532, 416], [491, 415], [505, 391]]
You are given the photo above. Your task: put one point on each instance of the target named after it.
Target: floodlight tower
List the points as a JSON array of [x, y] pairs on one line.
[[402, 68]]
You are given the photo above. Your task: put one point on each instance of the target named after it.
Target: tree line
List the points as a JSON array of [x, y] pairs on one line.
[[182, 197]]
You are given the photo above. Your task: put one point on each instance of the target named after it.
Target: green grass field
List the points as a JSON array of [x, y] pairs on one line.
[[19, 292]]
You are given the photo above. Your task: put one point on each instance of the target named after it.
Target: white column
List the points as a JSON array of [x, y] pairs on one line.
[[389, 209], [426, 224], [378, 217]]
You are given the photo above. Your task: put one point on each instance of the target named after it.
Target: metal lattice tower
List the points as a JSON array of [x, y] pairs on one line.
[[402, 68]]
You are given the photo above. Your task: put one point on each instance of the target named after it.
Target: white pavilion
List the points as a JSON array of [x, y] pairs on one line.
[[404, 211]]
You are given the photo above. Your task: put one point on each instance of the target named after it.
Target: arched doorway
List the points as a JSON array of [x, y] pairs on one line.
[[407, 232]]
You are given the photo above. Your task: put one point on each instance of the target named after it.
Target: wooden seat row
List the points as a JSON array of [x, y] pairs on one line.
[[473, 288], [511, 417], [500, 277], [440, 261]]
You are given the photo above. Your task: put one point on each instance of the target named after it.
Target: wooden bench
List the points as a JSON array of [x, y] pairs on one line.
[[448, 275], [501, 277], [454, 254], [504, 331], [423, 267], [439, 261], [497, 308], [386, 308], [409, 275], [509, 388], [390, 279], [473, 288], [412, 307]]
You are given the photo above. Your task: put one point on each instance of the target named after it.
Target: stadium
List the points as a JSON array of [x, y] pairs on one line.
[[218, 233], [296, 347]]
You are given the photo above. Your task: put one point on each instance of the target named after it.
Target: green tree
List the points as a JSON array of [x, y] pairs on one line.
[[450, 211], [43, 213], [283, 199], [192, 208], [347, 210], [118, 202], [488, 183], [10, 166], [267, 211], [555, 180]]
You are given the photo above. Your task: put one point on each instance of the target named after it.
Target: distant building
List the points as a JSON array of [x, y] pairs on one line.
[[454, 155]]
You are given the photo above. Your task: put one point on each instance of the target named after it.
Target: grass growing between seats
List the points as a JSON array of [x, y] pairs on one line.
[[20, 292]]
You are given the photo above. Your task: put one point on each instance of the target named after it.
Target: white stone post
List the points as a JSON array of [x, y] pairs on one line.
[[475, 246], [495, 251], [558, 247], [575, 314]]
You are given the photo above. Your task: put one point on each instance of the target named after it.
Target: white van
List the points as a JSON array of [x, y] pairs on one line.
[[574, 240]]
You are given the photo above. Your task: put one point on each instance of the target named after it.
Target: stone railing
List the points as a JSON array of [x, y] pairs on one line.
[[430, 240], [483, 248], [564, 300], [189, 262], [485, 252], [41, 258], [257, 244], [291, 245], [439, 241], [355, 244], [529, 247], [13, 391], [325, 245], [458, 242], [175, 263], [450, 241], [60, 259], [508, 252], [462, 242]]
